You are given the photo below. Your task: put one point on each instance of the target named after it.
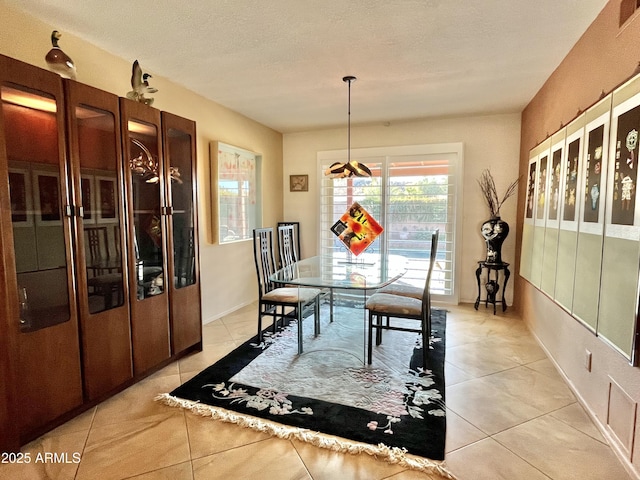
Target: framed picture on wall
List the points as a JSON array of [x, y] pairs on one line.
[[21, 197], [571, 172], [106, 205], [531, 190], [47, 198], [298, 183], [542, 186], [625, 167], [595, 164], [593, 175], [622, 212], [88, 198], [554, 182]]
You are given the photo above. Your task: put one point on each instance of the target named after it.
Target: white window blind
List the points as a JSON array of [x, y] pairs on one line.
[[412, 191]]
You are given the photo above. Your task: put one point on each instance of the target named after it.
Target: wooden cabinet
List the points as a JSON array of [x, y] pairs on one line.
[[149, 297], [40, 315], [99, 280], [179, 137], [164, 286], [96, 170]]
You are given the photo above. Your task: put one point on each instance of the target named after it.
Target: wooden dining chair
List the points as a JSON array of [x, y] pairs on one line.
[[404, 290], [104, 277], [97, 241], [296, 237], [287, 249], [384, 306], [273, 299]]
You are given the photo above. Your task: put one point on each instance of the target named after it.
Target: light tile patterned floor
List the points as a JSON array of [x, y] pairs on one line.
[[510, 416]]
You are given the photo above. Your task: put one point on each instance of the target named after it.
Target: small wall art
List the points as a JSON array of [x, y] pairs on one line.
[[298, 183]]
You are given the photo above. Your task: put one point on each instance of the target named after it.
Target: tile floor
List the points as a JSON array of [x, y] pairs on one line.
[[510, 416]]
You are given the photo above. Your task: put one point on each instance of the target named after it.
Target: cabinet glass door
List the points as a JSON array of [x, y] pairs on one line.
[[95, 158], [147, 215], [147, 225], [180, 173], [180, 170], [101, 217], [37, 202], [41, 321]]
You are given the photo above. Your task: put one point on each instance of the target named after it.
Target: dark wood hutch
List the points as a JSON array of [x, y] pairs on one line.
[[99, 278]]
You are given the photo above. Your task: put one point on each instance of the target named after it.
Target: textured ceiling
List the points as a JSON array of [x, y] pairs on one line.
[[281, 62]]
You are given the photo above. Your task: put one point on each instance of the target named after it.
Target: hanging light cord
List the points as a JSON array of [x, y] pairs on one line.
[[342, 170], [349, 80]]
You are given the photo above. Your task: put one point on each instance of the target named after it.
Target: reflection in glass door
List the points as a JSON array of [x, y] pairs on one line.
[[147, 219], [147, 225], [36, 208], [101, 215], [181, 179], [184, 291], [40, 350]]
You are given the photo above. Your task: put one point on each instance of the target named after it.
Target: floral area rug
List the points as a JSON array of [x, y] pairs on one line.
[[393, 409]]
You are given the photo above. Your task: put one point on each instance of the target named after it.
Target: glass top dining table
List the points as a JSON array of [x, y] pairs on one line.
[[368, 271], [353, 278]]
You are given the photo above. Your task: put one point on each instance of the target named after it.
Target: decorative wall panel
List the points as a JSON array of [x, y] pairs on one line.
[[581, 234]]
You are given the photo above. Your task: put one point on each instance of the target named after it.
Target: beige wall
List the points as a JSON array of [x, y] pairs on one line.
[[604, 57], [228, 272], [489, 142]]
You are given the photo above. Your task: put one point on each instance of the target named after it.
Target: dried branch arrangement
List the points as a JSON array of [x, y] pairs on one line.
[[488, 188]]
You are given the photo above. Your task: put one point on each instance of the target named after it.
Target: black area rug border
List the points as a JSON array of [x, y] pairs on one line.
[[399, 442]]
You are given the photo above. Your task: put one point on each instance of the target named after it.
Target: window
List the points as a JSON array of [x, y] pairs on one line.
[[237, 195], [412, 191]]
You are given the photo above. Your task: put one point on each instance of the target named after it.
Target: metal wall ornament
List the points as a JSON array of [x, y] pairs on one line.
[[351, 167]]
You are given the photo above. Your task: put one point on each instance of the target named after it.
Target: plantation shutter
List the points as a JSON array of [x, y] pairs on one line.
[[410, 194]]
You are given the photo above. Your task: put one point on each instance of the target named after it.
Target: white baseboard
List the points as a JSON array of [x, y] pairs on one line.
[[227, 312]]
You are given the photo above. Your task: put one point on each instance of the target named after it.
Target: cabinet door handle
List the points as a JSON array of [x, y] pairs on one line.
[[73, 211]]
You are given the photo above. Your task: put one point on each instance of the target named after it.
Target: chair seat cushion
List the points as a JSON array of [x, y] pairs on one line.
[[387, 304], [291, 295], [403, 290]]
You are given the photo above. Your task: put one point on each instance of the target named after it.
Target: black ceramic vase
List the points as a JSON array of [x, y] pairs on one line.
[[494, 231]]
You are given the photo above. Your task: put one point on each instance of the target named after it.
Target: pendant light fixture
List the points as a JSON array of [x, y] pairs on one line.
[[352, 167]]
